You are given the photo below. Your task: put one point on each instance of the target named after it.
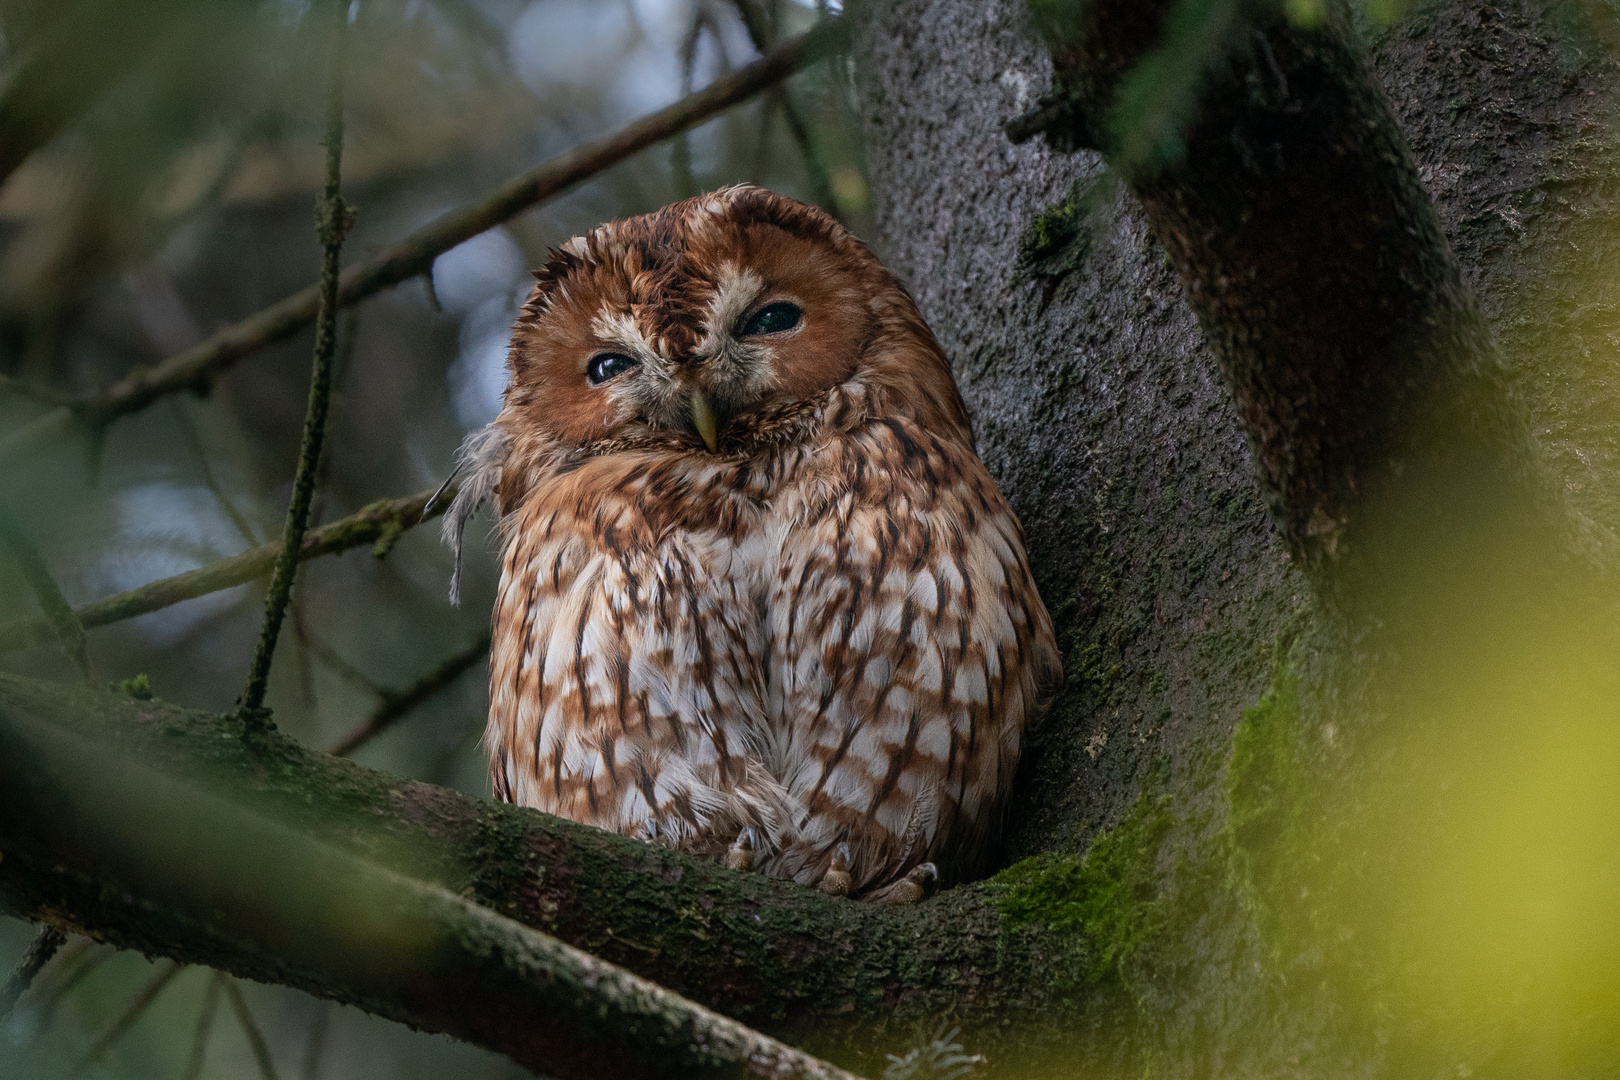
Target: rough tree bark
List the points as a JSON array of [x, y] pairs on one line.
[[1360, 366]]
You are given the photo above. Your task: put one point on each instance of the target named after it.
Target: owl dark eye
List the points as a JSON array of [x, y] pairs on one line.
[[607, 365], [773, 319]]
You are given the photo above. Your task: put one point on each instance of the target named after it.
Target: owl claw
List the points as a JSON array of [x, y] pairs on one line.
[[916, 885], [741, 855], [836, 881]]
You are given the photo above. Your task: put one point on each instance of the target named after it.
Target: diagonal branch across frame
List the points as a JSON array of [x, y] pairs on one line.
[[199, 365], [379, 524]]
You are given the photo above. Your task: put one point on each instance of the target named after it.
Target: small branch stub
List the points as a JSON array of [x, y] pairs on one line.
[[40, 950]]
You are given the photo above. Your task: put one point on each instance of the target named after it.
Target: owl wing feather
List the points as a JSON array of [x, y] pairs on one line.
[[910, 649], [625, 682]]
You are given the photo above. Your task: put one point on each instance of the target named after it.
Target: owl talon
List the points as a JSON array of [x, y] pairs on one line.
[[741, 855], [916, 885], [836, 881]]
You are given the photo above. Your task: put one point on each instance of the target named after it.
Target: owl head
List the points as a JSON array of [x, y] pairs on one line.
[[695, 330]]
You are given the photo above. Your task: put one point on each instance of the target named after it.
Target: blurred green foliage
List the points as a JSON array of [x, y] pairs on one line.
[[1157, 97]]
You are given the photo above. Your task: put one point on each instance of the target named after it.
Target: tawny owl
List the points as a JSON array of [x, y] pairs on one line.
[[759, 598]]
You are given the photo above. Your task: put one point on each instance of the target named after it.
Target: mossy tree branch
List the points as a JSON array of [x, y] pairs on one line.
[[259, 885], [207, 880]]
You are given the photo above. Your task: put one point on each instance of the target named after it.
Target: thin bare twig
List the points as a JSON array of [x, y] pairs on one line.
[[137, 1006], [198, 366], [345, 670], [300, 621], [762, 147], [681, 152], [39, 953], [396, 704], [380, 524], [756, 20], [815, 166], [59, 614], [205, 1027], [316, 1046], [187, 428], [334, 219], [250, 1027], [302, 635], [78, 960]]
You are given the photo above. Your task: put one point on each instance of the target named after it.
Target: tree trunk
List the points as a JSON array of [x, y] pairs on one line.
[[1099, 404], [1143, 450]]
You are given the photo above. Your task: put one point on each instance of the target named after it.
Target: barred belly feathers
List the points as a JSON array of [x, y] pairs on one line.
[[759, 598]]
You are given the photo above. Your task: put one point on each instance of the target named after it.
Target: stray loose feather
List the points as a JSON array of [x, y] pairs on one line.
[[478, 463]]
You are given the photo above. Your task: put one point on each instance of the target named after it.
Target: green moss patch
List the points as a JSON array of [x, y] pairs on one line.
[[1263, 783], [1057, 242], [1285, 859], [1109, 897]]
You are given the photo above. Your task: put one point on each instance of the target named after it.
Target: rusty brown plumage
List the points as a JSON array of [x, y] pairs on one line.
[[754, 575]]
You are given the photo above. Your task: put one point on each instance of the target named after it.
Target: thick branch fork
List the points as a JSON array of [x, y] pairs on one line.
[[161, 829], [1364, 373]]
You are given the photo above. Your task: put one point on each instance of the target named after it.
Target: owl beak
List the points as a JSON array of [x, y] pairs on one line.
[[704, 420]]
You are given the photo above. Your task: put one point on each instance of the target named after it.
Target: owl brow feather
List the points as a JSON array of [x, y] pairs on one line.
[[479, 460]]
